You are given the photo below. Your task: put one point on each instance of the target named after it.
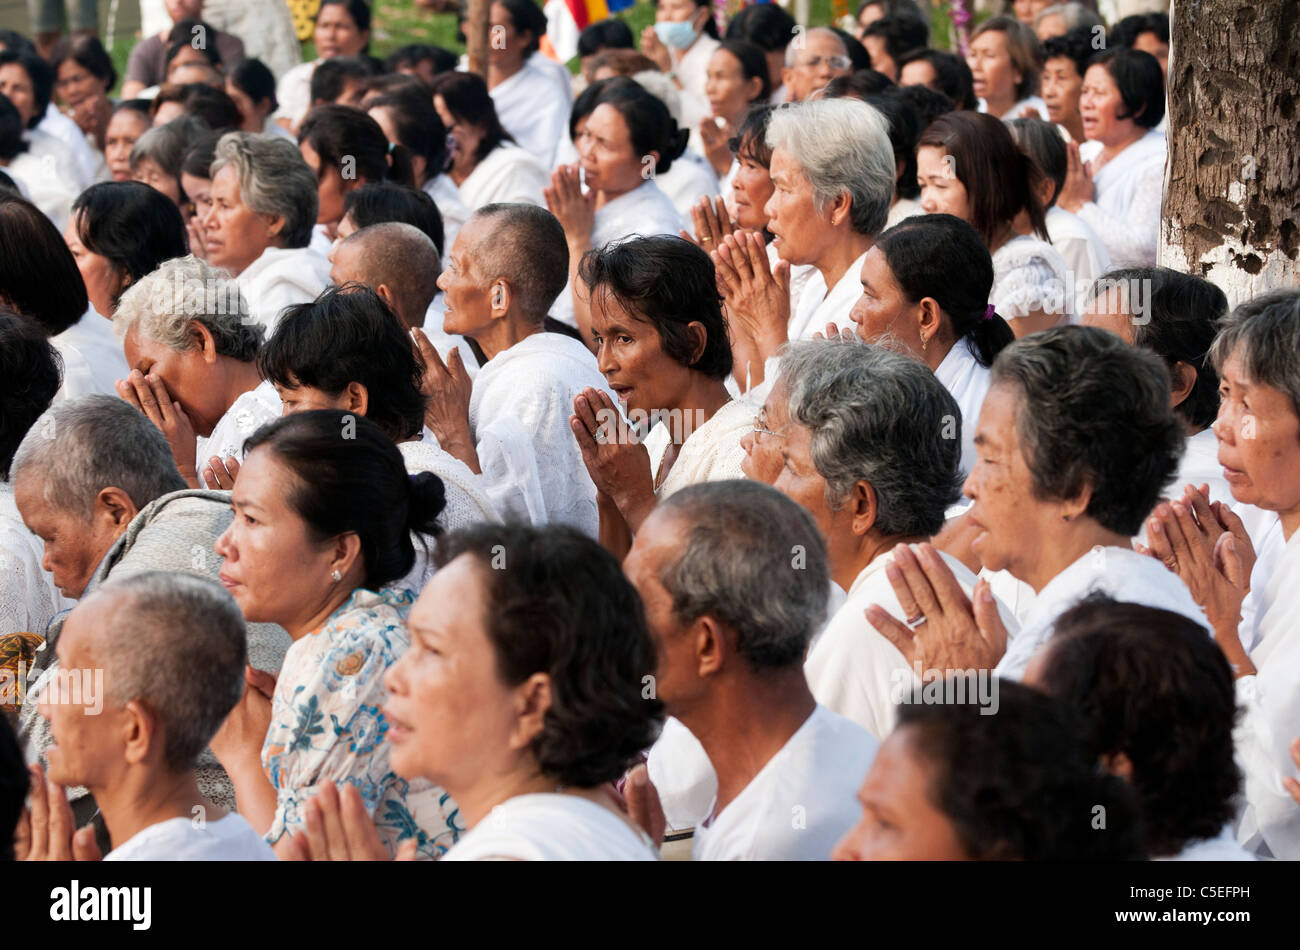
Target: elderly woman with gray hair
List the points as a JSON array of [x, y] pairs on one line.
[[833, 175], [192, 353], [259, 224], [867, 440]]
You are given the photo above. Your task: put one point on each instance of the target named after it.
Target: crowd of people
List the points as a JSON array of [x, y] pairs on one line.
[[765, 443]]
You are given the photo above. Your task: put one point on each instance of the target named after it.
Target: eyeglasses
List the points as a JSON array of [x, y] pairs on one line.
[[834, 62], [760, 425]]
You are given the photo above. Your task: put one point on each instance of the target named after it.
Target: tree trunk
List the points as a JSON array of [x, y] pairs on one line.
[[1233, 174], [476, 36]]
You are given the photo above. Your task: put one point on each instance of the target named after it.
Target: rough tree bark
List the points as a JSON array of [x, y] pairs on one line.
[[1232, 182], [476, 35]]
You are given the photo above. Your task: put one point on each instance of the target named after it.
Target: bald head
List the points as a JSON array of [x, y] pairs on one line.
[[397, 261], [524, 245]]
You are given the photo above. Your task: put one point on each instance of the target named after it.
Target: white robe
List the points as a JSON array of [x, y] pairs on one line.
[[1082, 250], [84, 156], [1125, 210], [1034, 102], [550, 826], [93, 360], [645, 210], [293, 92], [246, 415], [48, 174], [1029, 274], [282, 277], [1270, 700], [968, 383], [852, 669], [508, 173], [28, 598], [901, 210], [446, 196], [534, 108], [1120, 573], [817, 307], [689, 179], [519, 414], [710, 453]]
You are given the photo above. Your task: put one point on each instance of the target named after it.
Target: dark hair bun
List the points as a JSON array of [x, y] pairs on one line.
[[427, 500]]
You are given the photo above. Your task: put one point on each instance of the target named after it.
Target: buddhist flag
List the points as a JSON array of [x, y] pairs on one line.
[[565, 19]]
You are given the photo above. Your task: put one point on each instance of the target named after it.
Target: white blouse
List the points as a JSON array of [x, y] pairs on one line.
[[1125, 209], [282, 277], [552, 827], [508, 173], [1029, 275]]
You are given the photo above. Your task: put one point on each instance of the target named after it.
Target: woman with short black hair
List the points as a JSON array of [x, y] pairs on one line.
[[342, 29], [324, 512], [252, 86], [129, 121], [83, 76], [941, 71], [1116, 178], [385, 202], [486, 165], [737, 79], [57, 163], [1005, 61], [531, 92], [662, 346]]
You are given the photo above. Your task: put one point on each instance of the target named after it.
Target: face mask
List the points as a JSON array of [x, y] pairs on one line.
[[675, 34]]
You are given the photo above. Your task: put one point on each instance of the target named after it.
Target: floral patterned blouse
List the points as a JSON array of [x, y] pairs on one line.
[[327, 724]]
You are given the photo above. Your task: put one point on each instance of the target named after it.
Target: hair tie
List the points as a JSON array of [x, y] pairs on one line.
[[391, 146], [988, 313]]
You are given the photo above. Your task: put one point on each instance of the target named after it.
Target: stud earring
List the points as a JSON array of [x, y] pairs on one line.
[[336, 575]]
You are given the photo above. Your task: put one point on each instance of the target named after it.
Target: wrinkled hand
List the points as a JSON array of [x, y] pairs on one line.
[[654, 48], [243, 733], [1211, 557], [757, 296], [565, 199], [952, 633], [149, 394], [448, 388], [45, 829], [716, 141], [1078, 189], [220, 474], [337, 828], [836, 335], [617, 462], [711, 222]]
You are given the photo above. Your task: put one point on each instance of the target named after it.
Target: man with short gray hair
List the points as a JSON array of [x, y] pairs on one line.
[[812, 60], [734, 578], [134, 707]]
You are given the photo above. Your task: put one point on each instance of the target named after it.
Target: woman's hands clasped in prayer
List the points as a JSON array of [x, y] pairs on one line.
[[758, 301], [45, 829], [617, 462]]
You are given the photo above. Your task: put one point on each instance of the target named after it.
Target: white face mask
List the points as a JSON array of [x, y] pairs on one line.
[[676, 34]]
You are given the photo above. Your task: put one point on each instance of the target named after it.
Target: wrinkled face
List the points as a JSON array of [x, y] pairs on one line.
[[75, 83], [124, 130], [657, 544], [792, 215], [882, 312], [821, 60], [86, 726], [609, 160], [467, 296], [74, 545], [764, 454], [751, 190], [466, 135], [800, 481], [450, 716], [630, 354], [18, 87], [189, 376], [1059, 86], [273, 566], [990, 65], [899, 822], [101, 276], [1013, 525], [1259, 440], [235, 234], [942, 192], [198, 191], [881, 61], [728, 91], [1150, 43], [331, 188], [254, 113], [1100, 107], [337, 34], [919, 72], [150, 173]]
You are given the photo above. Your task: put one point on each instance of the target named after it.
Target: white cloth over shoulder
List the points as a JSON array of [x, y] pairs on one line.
[[282, 277], [1120, 573], [1270, 699], [853, 670], [28, 598], [508, 173], [93, 360], [1125, 209], [968, 383], [711, 453], [246, 415], [533, 106], [519, 413], [552, 827], [1029, 274], [179, 839], [800, 803], [817, 307]]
